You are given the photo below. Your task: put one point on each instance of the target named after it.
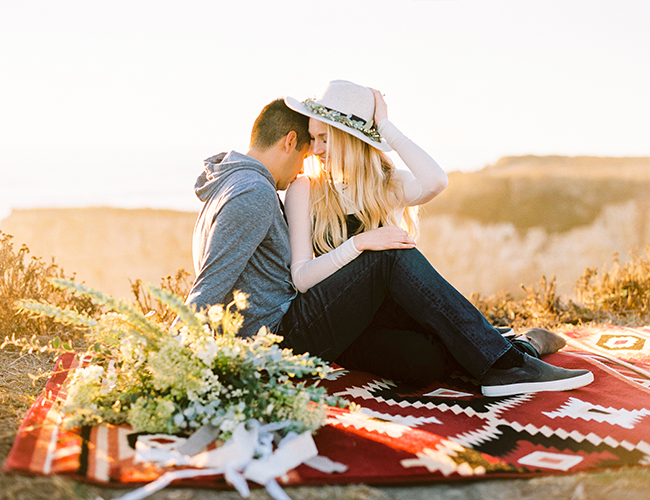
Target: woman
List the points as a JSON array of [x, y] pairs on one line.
[[356, 192], [355, 200]]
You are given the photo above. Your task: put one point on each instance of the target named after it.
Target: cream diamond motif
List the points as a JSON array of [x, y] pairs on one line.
[[547, 460], [447, 393]]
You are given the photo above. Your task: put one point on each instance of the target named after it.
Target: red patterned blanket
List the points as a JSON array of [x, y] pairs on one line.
[[445, 431]]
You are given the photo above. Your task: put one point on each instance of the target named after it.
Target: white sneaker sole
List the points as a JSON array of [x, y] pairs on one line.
[[565, 384]]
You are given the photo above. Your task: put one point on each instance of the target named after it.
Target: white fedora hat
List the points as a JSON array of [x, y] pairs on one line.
[[346, 106]]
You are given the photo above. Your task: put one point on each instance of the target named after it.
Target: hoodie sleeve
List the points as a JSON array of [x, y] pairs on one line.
[[225, 242]]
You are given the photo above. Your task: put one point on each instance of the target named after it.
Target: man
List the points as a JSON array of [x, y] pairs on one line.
[[241, 239], [241, 242]]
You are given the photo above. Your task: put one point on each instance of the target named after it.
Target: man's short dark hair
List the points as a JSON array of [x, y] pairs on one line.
[[275, 121]]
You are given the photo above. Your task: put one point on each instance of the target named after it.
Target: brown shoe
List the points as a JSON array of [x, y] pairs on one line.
[[544, 341]]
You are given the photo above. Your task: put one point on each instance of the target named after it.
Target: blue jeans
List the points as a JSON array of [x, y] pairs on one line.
[[330, 317]]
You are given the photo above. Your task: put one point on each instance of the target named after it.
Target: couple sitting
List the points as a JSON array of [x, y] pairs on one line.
[[335, 271]]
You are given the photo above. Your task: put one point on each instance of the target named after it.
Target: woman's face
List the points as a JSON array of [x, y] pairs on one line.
[[318, 132]]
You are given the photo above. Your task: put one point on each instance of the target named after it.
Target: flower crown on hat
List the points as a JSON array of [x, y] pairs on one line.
[[352, 121]]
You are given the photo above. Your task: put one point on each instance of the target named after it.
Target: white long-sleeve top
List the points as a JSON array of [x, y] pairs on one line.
[[422, 182]]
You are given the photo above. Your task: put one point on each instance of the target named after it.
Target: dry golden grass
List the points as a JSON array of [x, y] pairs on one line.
[[620, 295], [26, 277], [622, 291], [180, 283]]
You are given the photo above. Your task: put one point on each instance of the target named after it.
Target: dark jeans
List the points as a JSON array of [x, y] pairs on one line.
[[341, 317], [397, 347]]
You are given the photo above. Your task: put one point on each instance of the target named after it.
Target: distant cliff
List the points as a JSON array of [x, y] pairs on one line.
[[489, 231], [525, 217], [107, 247], [554, 193]]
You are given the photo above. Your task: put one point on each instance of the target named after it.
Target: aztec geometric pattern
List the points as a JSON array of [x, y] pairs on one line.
[[445, 431]]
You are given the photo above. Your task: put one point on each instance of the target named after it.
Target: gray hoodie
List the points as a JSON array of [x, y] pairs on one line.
[[241, 241]]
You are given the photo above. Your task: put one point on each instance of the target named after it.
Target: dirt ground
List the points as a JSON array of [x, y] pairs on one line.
[[624, 484]]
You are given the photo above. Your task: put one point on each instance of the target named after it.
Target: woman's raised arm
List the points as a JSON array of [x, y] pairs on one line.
[[426, 178]]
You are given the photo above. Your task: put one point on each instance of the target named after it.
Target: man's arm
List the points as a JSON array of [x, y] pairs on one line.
[[234, 233]]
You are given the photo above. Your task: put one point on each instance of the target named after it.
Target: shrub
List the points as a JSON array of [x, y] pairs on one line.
[[623, 290], [620, 295], [27, 277], [541, 307]]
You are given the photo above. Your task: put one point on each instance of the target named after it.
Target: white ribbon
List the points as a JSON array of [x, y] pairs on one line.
[[289, 455], [325, 464], [235, 459]]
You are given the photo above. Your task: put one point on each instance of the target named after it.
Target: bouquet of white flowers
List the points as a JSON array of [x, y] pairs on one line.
[[261, 401], [176, 380]]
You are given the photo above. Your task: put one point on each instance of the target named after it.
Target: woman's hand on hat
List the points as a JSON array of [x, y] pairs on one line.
[[383, 238], [381, 108]]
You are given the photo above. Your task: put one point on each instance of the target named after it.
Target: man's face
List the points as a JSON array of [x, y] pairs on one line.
[[294, 166]]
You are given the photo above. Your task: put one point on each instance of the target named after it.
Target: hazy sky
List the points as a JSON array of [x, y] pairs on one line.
[[118, 102]]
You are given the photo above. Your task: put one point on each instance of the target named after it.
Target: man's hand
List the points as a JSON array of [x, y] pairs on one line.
[[383, 238]]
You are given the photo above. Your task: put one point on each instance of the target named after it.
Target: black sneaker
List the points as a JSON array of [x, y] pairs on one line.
[[534, 376]]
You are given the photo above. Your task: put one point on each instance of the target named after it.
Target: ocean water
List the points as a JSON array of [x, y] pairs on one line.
[[127, 179], [164, 193], [52, 195]]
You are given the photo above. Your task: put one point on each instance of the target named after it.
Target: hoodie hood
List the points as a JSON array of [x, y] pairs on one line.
[[218, 168]]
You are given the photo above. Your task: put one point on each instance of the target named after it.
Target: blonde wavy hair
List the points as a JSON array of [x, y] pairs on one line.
[[371, 189]]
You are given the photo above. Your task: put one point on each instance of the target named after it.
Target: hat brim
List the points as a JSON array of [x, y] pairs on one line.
[[299, 107]]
